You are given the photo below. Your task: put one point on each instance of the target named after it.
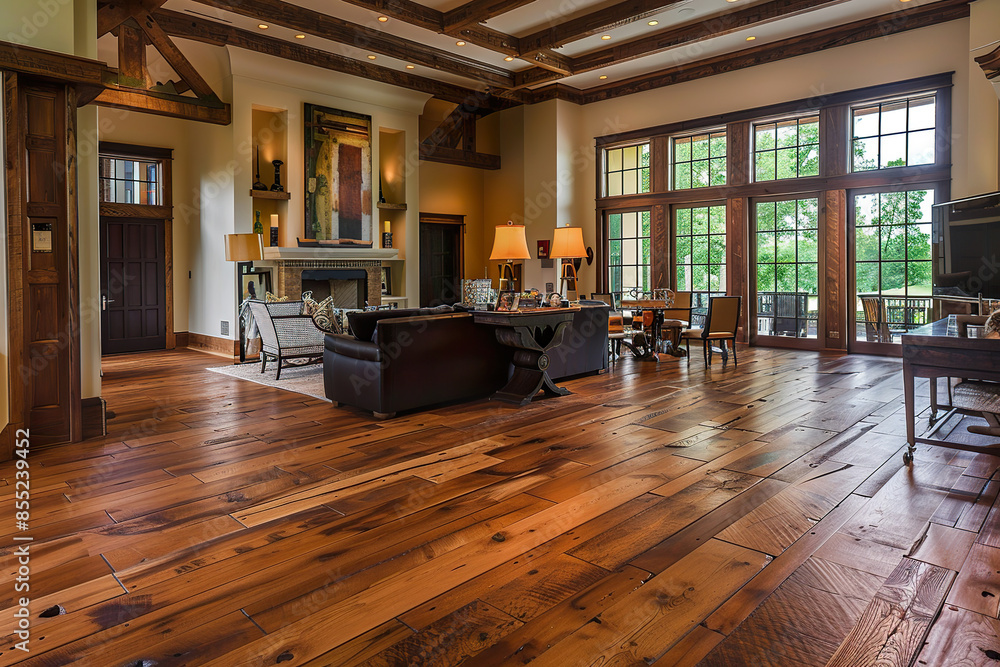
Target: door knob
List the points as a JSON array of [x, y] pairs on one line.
[[105, 301]]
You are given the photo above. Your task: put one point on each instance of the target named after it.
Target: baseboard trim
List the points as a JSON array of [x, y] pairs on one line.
[[95, 417], [181, 339], [221, 346]]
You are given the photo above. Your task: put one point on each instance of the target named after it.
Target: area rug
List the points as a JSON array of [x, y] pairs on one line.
[[306, 380]]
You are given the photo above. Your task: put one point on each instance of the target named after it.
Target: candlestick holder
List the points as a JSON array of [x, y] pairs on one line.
[[277, 186], [257, 184]]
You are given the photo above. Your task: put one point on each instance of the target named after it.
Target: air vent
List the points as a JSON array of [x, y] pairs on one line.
[[224, 329]]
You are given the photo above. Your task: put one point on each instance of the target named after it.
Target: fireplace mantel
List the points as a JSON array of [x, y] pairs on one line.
[[377, 254], [289, 264]]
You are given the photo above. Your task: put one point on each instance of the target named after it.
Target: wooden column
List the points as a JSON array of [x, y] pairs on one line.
[[43, 295], [737, 257], [660, 247], [835, 290]]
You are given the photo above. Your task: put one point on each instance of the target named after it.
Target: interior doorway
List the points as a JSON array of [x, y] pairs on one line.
[[136, 249], [441, 258], [133, 286]]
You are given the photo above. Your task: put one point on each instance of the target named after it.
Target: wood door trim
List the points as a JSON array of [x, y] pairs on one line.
[[73, 268], [143, 211]]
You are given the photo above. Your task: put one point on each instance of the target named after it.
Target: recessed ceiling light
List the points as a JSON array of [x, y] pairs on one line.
[[603, 77], [383, 19], [459, 43], [371, 57], [654, 22], [262, 26], [409, 67], [751, 38], [509, 58], [605, 37], [300, 36]]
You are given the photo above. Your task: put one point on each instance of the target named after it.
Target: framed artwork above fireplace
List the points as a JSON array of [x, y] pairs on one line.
[[338, 176]]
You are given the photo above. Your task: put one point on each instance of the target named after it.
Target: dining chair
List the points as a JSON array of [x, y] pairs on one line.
[[603, 296], [721, 323], [680, 309]]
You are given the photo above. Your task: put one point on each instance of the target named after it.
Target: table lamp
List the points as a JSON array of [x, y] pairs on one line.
[[567, 244], [509, 244], [244, 248]]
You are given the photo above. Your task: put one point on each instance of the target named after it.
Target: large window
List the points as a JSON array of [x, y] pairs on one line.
[[699, 160], [129, 180], [894, 134], [892, 249], [700, 234], [787, 267], [629, 267], [786, 148], [626, 170]]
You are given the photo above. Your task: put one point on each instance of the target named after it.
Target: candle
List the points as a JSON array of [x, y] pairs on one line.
[[387, 226], [274, 219]]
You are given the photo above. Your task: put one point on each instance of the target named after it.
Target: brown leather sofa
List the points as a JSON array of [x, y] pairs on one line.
[[411, 358]]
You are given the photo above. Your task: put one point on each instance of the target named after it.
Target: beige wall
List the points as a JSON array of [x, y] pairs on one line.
[[455, 190], [916, 53]]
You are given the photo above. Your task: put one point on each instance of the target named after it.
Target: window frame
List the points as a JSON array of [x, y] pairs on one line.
[[675, 265], [881, 101], [798, 146], [603, 173], [672, 162], [607, 277]]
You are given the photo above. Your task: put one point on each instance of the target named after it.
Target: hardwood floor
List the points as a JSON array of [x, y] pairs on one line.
[[662, 514]]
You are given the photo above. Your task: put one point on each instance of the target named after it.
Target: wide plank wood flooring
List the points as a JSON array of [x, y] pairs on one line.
[[663, 514]]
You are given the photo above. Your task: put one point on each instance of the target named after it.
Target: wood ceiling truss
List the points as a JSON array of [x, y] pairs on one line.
[[458, 128], [131, 87]]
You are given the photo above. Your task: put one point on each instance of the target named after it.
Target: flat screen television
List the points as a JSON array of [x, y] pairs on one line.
[[967, 235]]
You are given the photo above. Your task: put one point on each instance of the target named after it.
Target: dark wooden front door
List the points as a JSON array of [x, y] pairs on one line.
[[440, 263], [133, 285]]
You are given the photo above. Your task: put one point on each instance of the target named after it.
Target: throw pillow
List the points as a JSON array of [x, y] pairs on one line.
[[322, 312], [272, 298]]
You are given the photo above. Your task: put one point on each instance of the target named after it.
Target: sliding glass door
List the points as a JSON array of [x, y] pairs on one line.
[[892, 277], [786, 270]]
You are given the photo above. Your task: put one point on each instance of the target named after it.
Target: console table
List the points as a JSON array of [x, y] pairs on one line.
[[533, 334], [931, 351]]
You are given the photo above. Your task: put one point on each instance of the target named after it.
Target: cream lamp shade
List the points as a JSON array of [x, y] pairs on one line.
[[510, 243], [244, 247], [567, 242]]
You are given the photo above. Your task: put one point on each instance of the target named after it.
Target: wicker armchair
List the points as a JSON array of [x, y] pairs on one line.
[[286, 333]]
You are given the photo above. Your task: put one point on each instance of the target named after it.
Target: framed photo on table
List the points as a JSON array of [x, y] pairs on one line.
[[507, 301]]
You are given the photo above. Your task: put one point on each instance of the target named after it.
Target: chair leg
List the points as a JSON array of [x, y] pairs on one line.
[[263, 360], [735, 361], [687, 344], [277, 375]]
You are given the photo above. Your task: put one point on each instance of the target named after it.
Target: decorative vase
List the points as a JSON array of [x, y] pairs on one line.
[[277, 187], [258, 228]]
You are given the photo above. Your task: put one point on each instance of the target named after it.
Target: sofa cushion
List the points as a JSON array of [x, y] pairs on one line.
[[322, 312], [363, 324]]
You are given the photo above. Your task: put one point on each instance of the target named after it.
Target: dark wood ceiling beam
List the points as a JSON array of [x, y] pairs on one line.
[[325, 26], [618, 14], [112, 14], [459, 157], [405, 10], [131, 55], [479, 11], [218, 34], [51, 66], [173, 106], [431, 19], [551, 61], [177, 60], [725, 24], [909, 18]]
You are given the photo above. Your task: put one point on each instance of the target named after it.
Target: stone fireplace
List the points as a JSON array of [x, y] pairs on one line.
[[351, 275], [351, 282]]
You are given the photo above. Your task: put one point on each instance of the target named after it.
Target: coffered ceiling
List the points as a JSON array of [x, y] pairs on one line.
[[492, 53]]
